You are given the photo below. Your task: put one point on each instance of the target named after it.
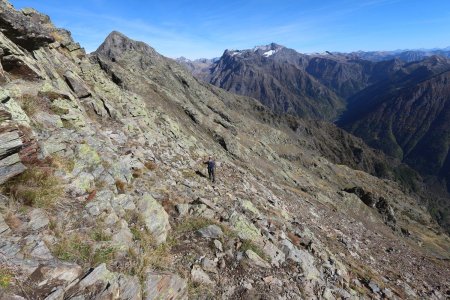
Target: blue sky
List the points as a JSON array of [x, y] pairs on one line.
[[197, 29]]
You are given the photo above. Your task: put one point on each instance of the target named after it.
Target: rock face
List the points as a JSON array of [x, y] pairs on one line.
[[15, 146], [27, 28], [114, 144], [11, 144]]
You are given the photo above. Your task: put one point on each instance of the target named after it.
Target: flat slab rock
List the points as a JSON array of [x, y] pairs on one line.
[[38, 219], [162, 285], [210, 232], [256, 259]]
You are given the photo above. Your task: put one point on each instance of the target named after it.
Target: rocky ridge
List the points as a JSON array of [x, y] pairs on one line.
[[117, 140]]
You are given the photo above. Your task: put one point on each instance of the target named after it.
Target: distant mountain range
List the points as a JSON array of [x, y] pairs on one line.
[[397, 101], [404, 55]]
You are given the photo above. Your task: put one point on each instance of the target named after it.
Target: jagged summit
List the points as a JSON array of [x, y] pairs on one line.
[[116, 43], [271, 46], [264, 50]]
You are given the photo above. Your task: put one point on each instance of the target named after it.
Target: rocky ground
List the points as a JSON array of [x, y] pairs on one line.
[[104, 194]]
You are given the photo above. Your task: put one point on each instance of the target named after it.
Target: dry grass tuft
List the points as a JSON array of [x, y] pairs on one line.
[[62, 163], [31, 104], [80, 248], [13, 221], [91, 195], [151, 165], [146, 253], [37, 186], [121, 186], [192, 224], [295, 239], [138, 173]]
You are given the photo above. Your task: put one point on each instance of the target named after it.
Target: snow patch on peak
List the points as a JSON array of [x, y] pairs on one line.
[[270, 53]]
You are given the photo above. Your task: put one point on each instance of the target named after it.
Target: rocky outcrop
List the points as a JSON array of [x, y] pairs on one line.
[[17, 144], [27, 28], [155, 217], [380, 203], [11, 144], [160, 285]]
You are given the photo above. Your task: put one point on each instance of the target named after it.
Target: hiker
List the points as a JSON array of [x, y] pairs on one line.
[[211, 168]]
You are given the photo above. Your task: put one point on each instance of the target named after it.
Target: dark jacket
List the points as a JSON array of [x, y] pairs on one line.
[[211, 165]]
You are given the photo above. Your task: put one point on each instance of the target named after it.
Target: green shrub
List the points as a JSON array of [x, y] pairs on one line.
[[6, 278]]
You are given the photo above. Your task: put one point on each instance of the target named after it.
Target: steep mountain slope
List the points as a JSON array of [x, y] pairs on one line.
[[275, 75], [412, 98], [408, 117], [365, 88], [311, 86], [104, 196]]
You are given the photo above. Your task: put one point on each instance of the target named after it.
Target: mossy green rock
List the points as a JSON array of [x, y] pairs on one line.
[[244, 228], [17, 113], [247, 205], [87, 157]]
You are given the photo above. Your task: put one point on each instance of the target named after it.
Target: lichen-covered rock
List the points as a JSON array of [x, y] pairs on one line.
[[129, 288], [244, 228], [155, 217], [28, 29], [10, 146], [94, 283], [277, 257], [82, 184], [248, 205], [56, 273], [256, 259], [17, 113]]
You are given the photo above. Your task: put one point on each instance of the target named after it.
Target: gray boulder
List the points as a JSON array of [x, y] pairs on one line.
[[155, 217], [211, 232]]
